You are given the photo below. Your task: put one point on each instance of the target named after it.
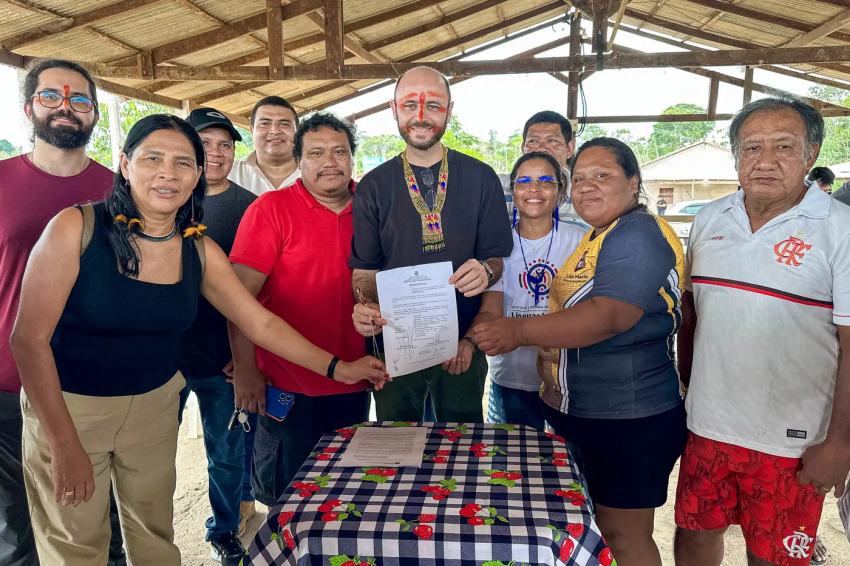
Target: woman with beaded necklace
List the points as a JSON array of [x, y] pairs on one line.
[[105, 298]]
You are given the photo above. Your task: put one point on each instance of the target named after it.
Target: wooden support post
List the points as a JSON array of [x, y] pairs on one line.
[[116, 139], [274, 14], [713, 91], [575, 48], [334, 44], [748, 85], [600, 31], [145, 65]]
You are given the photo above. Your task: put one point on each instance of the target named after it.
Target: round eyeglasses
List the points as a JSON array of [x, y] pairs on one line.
[[51, 99]]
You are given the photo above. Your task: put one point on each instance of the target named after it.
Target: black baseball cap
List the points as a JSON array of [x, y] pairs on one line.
[[202, 118]]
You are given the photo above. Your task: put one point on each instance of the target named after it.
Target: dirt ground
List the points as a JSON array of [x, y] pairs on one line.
[[191, 509]]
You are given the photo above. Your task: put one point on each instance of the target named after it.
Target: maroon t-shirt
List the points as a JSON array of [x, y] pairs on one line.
[[29, 199]]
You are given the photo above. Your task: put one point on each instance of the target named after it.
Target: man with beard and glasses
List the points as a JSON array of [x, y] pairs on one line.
[[271, 166], [390, 230], [60, 101]]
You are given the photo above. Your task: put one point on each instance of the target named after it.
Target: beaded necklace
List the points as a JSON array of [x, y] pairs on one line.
[[432, 222]]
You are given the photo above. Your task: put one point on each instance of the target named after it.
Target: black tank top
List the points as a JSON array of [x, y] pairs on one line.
[[118, 335]]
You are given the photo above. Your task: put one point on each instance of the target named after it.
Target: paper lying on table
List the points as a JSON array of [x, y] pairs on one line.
[[385, 447], [419, 306]]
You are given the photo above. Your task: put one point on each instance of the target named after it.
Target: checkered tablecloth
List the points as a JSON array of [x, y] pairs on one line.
[[485, 495]]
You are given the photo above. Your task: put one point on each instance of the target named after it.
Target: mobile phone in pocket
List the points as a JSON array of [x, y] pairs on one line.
[[278, 402]]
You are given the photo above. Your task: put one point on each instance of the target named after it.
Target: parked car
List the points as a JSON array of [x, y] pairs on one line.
[[687, 207]]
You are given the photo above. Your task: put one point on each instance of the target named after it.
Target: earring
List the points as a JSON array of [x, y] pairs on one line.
[[556, 219], [515, 219], [195, 229]]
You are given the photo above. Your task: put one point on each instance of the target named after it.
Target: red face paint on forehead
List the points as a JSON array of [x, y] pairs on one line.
[[422, 107], [432, 93], [411, 95], [67, 90]]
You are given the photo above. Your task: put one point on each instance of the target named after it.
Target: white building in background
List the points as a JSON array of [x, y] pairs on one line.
[[700, 171]]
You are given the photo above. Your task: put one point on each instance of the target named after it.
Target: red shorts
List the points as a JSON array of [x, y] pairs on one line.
[[722, 484]]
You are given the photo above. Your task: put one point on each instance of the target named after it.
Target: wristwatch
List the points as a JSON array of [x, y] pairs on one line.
[[491, 277]]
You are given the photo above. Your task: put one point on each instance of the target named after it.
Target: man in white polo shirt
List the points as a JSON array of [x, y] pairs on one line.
[[765, 348], [271, 165]]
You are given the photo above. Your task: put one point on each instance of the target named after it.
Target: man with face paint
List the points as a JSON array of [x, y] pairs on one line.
[[60, 101], [428, 205]]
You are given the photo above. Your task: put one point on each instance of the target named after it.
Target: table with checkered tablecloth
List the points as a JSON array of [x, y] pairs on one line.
[[485, 495]]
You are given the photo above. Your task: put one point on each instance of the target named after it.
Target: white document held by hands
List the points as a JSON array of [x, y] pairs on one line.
[[419, 306], [385, 447]]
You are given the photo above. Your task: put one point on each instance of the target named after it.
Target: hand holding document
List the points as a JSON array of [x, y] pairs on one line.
[[419, 306], [385, 447]]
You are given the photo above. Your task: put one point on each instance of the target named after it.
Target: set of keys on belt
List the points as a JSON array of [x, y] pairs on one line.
[[239, 417]]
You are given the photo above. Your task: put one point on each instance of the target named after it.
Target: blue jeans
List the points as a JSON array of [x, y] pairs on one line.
[[515, 406], [225, 451]]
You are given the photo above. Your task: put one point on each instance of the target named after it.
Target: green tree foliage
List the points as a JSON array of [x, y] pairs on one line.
[[667, 137], [7, 150], [836, 143], [100, 148]]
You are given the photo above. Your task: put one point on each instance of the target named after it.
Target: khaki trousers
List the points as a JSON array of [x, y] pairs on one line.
[[131, 440]]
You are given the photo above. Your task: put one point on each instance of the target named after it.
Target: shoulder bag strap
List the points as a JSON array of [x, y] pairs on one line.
[[88, 226], [202, 253]]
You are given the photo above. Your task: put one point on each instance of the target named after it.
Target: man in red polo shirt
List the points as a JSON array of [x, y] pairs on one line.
[[292, 252]]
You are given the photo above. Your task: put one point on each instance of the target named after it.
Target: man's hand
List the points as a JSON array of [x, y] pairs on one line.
[[497, 337], [825, 466], [367, 319], [461, 362], [73, 475], [470, 278], [228, 370], [249, 390]]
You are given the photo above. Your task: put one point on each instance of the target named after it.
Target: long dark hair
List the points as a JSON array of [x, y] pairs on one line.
[[120, 201], [623, 155]]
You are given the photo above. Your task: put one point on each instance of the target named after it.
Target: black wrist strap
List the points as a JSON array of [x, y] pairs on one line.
[[471, 341], [332, 367]]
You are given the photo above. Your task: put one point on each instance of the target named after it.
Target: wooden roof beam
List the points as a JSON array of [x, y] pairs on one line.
[[436, 24], [802, 75], [419, 55], [74, 22], [829, 27], [714, 38], [334, 32], [319, 71], [761, 16], [231, 31], [382, 84]]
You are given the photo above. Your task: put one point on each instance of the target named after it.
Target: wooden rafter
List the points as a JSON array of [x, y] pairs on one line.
[[803, 76], [765, 17], [225, 33], [274, 23], [320, 71], [714, 38], [829, 27], [473, 10], [74, 22], [442, 15], [382, 84], [421, 55]]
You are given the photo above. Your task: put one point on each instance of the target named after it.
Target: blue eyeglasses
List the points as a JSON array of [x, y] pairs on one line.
[[544, 182]]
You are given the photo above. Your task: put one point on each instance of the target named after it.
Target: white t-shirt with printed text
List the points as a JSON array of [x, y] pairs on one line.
[[768, 307], [522, 281]]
